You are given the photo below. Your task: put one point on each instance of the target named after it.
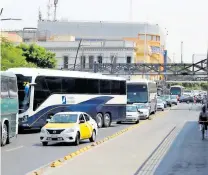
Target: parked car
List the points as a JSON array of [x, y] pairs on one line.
[[167, 99], [69, 127], [174, 99], [144, 111], [186, 99], [160, 105], [132, 114], [164, 101]]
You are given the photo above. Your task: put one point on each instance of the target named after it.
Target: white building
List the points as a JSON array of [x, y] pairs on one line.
[[108, 51]]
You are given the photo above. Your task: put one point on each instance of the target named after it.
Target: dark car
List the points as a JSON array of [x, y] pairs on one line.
[[186, 99]]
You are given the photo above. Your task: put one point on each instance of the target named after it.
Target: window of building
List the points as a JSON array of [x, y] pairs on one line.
[[100, 59], [148, 37], [141, 37], [154, 38], [12, 88], [113, 59], [66, 62], [91, 61], [128, 59], [158, 38], [83, 61]]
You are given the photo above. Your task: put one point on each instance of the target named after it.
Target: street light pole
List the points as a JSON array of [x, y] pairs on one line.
[[181, 52]]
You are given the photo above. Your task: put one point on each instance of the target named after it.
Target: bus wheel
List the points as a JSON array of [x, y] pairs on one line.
[[4, 135], [106, 120], [99, 120]]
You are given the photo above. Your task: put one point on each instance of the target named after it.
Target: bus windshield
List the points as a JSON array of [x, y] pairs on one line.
[[23, 92], [175, 91], [64, 118], [137, 93]]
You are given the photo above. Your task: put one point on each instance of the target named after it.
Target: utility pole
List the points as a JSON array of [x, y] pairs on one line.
[[55, 5], [207, 79], [130, 10], [181, 52], [193, 58]]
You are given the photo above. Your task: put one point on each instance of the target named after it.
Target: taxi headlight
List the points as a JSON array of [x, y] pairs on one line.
[[69, 130]]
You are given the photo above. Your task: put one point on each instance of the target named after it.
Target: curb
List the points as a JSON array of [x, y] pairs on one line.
[[59, 162]]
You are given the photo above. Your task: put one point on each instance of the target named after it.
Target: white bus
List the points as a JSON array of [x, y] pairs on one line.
[[177, 90], [142, 91], [44, 92]]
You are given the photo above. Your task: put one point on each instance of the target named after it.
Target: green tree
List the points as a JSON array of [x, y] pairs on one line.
[[12, 56], [38, 55]]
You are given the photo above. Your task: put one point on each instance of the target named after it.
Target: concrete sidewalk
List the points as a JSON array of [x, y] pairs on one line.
[[124, 154], [188, 154]]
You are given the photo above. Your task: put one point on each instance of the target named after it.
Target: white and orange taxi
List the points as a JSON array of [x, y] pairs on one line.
[[69, 127]]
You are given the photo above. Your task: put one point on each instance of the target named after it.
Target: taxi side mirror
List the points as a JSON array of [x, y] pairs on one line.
[[48, 120], [81, 121]]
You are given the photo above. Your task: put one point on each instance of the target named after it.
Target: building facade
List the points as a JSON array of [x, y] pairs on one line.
[[108, 51]]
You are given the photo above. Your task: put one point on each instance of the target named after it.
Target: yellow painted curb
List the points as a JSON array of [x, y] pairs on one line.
[[67, 157], [56, 163], [72, 154]]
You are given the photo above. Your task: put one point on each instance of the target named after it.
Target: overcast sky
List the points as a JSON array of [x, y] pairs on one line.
[[185, 20]]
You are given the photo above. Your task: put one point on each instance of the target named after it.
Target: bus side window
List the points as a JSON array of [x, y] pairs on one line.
[[12, 88], [4, 87]]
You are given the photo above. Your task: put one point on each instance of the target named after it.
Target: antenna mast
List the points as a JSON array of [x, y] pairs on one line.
[[55, 6], [49, 5]]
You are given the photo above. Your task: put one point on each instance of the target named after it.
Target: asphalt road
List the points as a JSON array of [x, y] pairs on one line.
[[167, 145], [26, 153]]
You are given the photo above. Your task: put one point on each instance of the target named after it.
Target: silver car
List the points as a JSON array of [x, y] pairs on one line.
[[144, 111], [132, 114]]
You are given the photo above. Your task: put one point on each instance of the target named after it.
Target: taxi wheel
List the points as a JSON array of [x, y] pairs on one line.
[[93, 137], [45, 143], [77, 140]]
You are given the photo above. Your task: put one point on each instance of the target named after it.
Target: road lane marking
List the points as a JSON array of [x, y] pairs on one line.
[[59, 162], [13, 149]]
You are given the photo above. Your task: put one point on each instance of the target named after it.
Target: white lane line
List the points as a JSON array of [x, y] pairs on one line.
[[14, 148]]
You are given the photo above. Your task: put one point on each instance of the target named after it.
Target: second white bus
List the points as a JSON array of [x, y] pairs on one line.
[[43, 93], [142, 91]]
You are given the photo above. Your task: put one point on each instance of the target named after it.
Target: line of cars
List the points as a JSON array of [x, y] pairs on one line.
[[164, 101]]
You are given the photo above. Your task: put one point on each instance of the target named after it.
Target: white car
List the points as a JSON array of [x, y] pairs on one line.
[[132, 114], [69, 127], [174, 99], [144, 111], [160, 105]]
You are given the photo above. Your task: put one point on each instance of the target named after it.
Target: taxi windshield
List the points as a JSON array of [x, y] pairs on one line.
[[64, 118]]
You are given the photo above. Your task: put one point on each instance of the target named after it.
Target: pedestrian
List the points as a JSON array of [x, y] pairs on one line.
[[203, 116]]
